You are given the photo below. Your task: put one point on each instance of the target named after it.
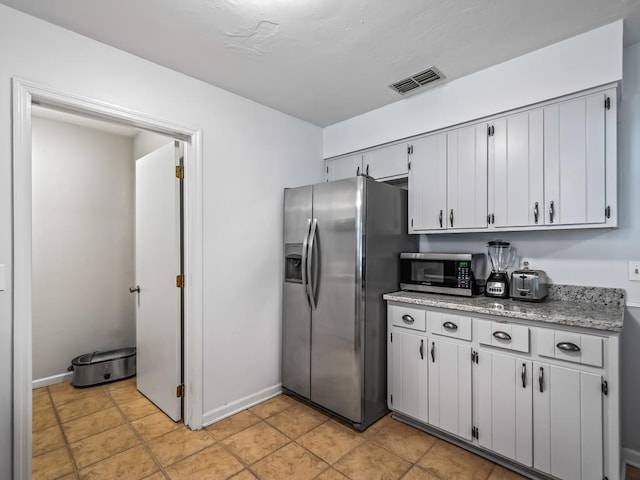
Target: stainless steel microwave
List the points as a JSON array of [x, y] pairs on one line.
[[450, 273]]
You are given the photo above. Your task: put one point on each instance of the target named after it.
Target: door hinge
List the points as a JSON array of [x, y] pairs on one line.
[[179, 171], [605, 388], [180, 281], [180, 391], [607, 212], [491, 130], [607, 103]]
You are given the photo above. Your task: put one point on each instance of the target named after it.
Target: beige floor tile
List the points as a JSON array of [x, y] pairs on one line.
[[71, 476], [233, 424], [132, 464], [290, 462], [244, 475], [212, 463], [256, 442], [156, 476], [138, 408], [48, 439], [120, 384], [330, 441], [51, 465], [501, 473], [297, 420], [65, 392], [83, 406], [92, 424], [449, 462], [331, 474], [179, 444], [43, 418], [379, 425], [272, 406], [372, 462], [408, 442], [125, 394], [417, 473], [632, 473], [155, 425], [40, 397], [103, 445]]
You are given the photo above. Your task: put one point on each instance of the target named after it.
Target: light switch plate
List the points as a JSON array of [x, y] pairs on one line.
[[634, 270], [3, 281]]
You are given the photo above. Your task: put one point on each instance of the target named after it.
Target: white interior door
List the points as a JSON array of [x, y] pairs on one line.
[[158, 322]]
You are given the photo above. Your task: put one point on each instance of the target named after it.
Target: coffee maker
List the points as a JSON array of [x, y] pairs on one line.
[[502, 256]]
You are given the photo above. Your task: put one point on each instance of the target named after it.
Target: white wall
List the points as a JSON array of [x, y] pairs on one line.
[[588, 60], [250, 154], [147, 142], [83, 237]]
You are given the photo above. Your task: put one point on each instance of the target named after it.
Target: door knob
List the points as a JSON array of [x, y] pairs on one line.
[[134, 290]]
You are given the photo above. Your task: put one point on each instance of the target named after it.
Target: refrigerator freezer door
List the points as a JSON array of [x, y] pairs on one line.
[[336, 332], [296, 315]]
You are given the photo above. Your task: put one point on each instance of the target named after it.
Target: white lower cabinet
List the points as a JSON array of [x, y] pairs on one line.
[[527, 400], [450, 387], [567, 413], [407, 364], [505, 421]]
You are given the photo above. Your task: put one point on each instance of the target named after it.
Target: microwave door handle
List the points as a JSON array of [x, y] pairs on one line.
[[305, 261], [311, 286]]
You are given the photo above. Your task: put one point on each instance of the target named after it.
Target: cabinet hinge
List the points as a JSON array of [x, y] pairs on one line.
[[607, 103], [607, 212], [410, 149], [491, 130], [474, 432], [180, 391], [179, 171], [605, 388], [180, 281], [327, 169], [474, 356], [409, 165]]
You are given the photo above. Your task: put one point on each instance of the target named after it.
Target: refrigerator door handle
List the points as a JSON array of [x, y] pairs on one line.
[[305, 261], [311, 287]]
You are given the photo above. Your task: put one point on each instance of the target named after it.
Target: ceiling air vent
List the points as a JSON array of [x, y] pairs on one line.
[[417, 80]]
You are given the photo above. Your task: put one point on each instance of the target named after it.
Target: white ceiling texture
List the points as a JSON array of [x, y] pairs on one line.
[[327, 60]]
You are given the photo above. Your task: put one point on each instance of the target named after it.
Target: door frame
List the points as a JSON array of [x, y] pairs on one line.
[[24, 93]]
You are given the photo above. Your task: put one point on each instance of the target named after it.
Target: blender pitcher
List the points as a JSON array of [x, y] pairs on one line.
[[501, 256]]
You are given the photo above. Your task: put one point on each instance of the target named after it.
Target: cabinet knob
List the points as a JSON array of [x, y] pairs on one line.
[[524, 375], [535, 212], [422, 349], [440, 218], [502, 335], [408, 319], [568, 347], [433, 352], [450, 326], [451, 217], [551, 211], [541, 379]]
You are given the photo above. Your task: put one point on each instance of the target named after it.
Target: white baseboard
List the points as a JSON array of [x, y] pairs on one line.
[[46, 381], [631, 457], [236, 406]]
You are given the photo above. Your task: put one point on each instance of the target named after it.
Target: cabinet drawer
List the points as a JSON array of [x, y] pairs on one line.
[[504, 335], [407, 317], [449, 325], [572, 347]]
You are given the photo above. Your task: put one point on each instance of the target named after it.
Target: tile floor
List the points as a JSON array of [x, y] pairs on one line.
[[114, 432]]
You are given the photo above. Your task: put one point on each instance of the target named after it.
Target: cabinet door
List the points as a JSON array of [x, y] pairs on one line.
[[574, 161], [467, 177], [505, 419], [344, 167], [567, 431], [428, 184], [450, 387], [516, 167], [386, 162], [408, 374]]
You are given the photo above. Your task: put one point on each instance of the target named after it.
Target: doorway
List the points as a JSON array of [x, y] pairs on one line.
[[25, 94]]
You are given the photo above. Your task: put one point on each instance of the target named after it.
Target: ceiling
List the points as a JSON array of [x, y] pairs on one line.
[[328, 60]]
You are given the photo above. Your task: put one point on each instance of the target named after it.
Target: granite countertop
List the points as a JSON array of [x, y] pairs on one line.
[[576, 306]]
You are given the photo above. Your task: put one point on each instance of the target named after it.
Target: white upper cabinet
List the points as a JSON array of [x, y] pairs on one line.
[[574, 160], [344, 167], [467, 177], [428, 184], [516, 170], [386, 162]]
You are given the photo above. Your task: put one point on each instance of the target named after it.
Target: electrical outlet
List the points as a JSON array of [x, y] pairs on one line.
[[634, 270]]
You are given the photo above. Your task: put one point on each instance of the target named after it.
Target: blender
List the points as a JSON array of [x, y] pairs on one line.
[[502, 256]]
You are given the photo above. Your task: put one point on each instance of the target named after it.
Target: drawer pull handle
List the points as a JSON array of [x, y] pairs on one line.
[[408, 319], [502, 335], [422, 349], [524, 375], [541, 379], [450, 326], [568, 347]]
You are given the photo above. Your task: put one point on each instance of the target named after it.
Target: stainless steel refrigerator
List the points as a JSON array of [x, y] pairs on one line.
[[342, 243]]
